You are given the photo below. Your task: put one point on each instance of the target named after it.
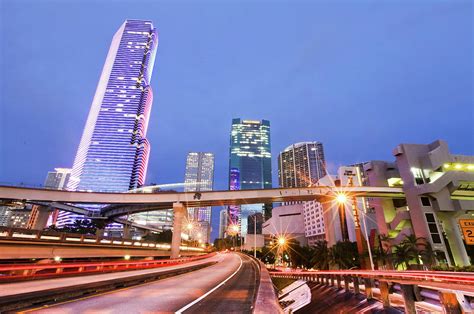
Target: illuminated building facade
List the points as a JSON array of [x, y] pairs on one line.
[[301, 165], [113, 151], [57, 179], [249, 166], [199, 176]]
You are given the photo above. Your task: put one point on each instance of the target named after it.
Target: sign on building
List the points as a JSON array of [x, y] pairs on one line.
[[467, 227]]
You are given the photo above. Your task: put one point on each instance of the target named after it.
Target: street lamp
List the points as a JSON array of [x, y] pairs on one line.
[[341, 199], [281, 243]]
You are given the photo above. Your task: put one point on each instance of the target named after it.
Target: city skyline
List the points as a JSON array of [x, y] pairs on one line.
[[314, 70], [300, 157]]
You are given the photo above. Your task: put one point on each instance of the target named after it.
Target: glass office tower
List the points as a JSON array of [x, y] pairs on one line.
[[301, 165], [199, 176], [113, 152], [250, 165]]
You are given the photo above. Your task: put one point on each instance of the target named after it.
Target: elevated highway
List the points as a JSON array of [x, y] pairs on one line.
[[123, 203]]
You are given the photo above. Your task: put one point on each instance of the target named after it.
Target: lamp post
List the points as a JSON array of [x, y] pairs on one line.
[[342, 199]]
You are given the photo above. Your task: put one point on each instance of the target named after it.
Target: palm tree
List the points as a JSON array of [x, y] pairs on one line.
[[414, 244], [429, 256], [345, 255], [321, 257], [402, 255], [383, 253]]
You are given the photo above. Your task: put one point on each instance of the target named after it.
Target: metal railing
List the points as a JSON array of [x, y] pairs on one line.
[[15, 272], [451, 289], [20, 234]]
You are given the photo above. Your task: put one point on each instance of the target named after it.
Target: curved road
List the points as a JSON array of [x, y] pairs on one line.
[[228, 286]]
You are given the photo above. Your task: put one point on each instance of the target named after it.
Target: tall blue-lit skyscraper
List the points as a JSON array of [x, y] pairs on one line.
[[113, 152], [250, 165]]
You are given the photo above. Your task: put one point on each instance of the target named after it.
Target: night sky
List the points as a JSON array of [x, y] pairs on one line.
[[359, 76]]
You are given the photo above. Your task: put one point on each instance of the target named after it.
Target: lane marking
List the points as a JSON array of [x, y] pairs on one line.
[[47, 306], [184, 308]]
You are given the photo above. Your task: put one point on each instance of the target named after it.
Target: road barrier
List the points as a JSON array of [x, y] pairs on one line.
[[11, 273], [53, 237], [37, 298], [455, 290], [266, 300]]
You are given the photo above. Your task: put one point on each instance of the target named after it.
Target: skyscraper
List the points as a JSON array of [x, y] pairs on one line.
[[301, 165], [223, 221], [113, 152], [199, 176], [250, 165], [57, 179]]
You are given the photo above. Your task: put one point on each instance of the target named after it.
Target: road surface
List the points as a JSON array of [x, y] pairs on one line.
[[227, 286]]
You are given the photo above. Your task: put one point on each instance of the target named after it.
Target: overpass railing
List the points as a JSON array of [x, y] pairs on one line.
[[453, 290], [15, 272], [38, 236]]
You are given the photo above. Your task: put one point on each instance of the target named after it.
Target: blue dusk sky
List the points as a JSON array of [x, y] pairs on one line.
[[359, 76]]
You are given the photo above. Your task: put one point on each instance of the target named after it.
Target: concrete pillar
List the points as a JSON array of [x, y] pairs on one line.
[[38, 217], [449, 302], [355, 280], [126, 231], [409, 298], [453, 233], [332, 280], [346, 283], [179, 210], [384, 294], [368, 283], [338, 279]]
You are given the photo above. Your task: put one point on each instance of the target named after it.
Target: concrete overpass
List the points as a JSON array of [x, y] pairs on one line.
[[120, 204]]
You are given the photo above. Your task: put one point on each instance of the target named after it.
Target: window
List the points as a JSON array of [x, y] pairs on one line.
[[425, 201], [433, 228]]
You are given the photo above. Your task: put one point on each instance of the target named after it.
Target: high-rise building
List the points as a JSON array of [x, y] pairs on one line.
[[249, 166], [57, 179], [223, 221], [113, 152], [199, 176], [301, 165]]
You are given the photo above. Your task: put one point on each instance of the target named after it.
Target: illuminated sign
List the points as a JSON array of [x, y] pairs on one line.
[[467, 227]]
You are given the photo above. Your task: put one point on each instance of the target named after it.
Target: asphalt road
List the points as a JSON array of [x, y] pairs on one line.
[[235, 296], [175, 293]]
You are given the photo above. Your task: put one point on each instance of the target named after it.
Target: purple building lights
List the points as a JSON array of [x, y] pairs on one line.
[[113, 152]]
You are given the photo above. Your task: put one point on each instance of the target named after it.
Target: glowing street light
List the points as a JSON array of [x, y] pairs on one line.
[[341, 198], [281, 241], [189, 226]]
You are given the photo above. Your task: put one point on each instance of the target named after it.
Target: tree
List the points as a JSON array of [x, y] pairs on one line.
[[414, 245], [383, 252], [321, 255], [223, 244], [266, 255], [429, 256], [402, 255], [344, 254]]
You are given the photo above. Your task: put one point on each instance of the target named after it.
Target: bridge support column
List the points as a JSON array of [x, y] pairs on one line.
[[384, 294], [346, 283], [38, 217], [408, 294], [368, 283], [179, 210], [449, 302], [126, 231], [338, 279], [332, 280], [355, 280]]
